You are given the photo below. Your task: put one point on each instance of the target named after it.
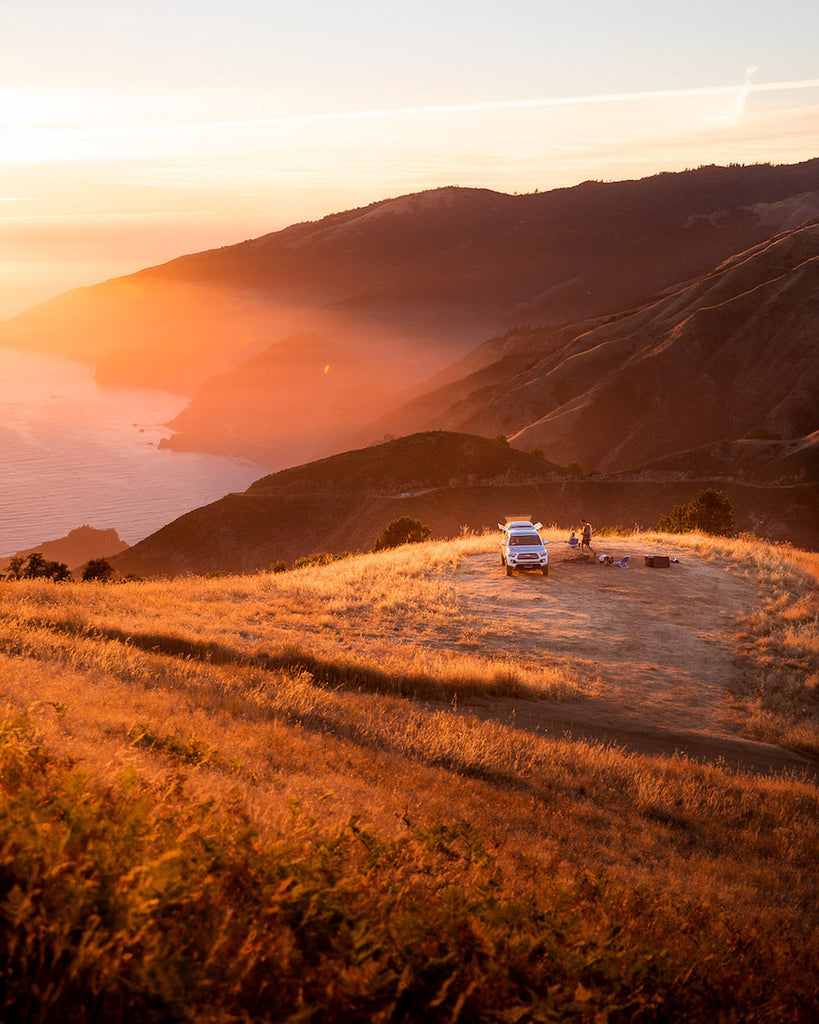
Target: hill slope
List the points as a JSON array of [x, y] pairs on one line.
[[733, 352], [420, 278], [448, 481], [76, 548], [401, 786]]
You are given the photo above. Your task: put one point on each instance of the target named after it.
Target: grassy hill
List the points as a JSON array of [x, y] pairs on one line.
[[449, 481], [315, 796]]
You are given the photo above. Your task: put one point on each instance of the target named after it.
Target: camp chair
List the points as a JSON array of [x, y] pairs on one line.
[[623, 563], [574, 543]]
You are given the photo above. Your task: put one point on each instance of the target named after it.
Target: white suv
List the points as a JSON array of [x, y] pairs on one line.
[[522, 547]]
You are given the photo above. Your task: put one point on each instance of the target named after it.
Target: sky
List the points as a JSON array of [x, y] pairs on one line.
[[131, 133]]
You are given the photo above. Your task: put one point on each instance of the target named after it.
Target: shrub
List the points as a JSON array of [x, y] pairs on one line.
[[98, 569], [710, 512], [319, 558], [405, 530], [36, 567]]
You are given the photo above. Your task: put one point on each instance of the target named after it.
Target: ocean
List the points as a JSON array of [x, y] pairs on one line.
[[74, 453]]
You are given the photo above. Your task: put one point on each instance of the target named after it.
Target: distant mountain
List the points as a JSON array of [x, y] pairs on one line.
[[448, 481], [76, 548], [411, 283], [732, 353], [281, 406]]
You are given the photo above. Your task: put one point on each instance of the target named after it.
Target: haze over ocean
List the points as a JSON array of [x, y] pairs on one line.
[[75, 453]]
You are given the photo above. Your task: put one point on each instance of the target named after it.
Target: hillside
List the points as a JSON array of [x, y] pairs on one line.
[[406, 787], [447, 480], [76, 548], [511, 382], [416, 281], [761, 461], [734, 352], [280, 407]]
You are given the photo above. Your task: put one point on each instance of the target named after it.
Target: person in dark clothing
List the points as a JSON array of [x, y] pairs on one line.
[[585, 537]]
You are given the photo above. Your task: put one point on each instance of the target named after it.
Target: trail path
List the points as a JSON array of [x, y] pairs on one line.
[[661, 642]]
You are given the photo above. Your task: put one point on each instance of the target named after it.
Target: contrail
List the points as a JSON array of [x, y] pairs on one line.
[[552, 101]]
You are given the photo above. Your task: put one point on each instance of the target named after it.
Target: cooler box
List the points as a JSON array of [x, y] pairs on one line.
[[657, 561]]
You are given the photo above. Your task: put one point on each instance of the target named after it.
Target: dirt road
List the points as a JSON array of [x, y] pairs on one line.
[[660, 641]]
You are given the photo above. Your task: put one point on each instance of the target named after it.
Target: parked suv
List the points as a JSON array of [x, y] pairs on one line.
[[522, 547]]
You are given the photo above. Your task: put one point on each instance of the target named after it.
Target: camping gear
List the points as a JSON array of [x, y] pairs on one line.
[[658, 561]]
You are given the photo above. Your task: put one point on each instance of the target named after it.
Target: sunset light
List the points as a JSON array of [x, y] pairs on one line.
[[129, 140], [301, 717]]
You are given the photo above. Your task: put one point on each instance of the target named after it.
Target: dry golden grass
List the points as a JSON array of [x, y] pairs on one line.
[[329, 694], [778, 698]]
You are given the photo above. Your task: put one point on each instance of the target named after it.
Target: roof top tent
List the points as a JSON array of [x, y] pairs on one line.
[[521, 522]]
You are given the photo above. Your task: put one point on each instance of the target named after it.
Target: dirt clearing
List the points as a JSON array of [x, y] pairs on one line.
[[660, 643]]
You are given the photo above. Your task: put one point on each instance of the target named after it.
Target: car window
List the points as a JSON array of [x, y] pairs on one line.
[[520, 540]]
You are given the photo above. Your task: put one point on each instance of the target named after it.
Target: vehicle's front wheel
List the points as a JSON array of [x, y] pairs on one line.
[[545, 570], [508, 570], [503, 560]]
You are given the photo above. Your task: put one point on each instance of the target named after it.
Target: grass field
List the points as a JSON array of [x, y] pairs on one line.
[[261, 798]]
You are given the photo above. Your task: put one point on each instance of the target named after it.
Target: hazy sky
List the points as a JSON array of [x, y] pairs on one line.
[[134, 132]]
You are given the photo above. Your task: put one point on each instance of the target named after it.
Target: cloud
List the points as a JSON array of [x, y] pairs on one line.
[[742, 92]]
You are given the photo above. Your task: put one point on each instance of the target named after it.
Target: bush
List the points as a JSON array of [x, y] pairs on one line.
[[36, 567], [405, 530], [278, 566], [710, 512], [98, 569], [319, 558]]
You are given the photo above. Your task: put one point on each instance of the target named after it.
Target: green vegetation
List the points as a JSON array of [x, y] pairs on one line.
[[405, 530], [710, 512], [99, 569], [36, 567]]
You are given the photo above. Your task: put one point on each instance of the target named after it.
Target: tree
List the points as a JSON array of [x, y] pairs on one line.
[[405, 530], [16, 563], [36, 567], [58, 571], [710, 512], [98, 569]]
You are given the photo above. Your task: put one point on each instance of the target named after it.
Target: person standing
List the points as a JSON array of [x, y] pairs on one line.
[[585, 537]]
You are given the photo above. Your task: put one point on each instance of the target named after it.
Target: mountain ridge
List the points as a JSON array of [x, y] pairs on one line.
[[448, 480], [426, 276], [731, 352]]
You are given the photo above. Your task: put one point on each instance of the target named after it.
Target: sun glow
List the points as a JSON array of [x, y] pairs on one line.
[[233, 126]]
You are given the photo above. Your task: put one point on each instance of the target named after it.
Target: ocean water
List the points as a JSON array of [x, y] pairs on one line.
[[74, 453]]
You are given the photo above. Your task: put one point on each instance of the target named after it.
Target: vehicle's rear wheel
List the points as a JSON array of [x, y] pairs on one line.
[[508, 570]]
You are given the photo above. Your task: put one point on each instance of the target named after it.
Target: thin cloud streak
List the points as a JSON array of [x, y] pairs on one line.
[[522, 104], [171, 129]]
